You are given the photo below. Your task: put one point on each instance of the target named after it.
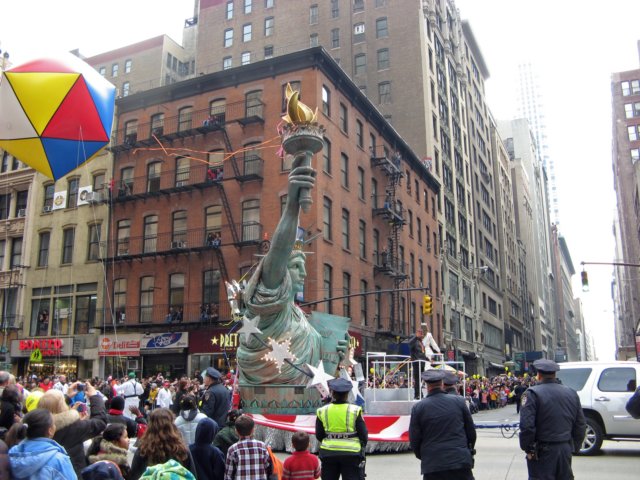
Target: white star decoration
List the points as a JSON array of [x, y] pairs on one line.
[[249, 326], [355, 391], [320, 379], [279, 352]]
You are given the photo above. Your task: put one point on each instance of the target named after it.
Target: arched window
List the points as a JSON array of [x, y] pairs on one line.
[[150, 233], [217, 110], [157, 125], [179, 229], [153, 177], [147, 287], [184, 118], [182, 171], [250, 220]]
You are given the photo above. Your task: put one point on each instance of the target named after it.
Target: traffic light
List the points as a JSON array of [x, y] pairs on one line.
[[585, 281], [427, 306]]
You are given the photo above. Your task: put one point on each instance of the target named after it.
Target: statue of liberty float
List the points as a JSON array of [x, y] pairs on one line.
[[284, 357]]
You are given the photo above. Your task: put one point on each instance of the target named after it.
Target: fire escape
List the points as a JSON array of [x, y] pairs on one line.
[[388, 207]]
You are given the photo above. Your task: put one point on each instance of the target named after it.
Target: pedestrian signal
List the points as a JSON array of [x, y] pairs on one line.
[[585, 281], [427, 305]]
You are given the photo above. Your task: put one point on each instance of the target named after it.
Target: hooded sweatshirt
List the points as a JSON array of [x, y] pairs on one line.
[[209, 460], [40, 459], [187, 422]]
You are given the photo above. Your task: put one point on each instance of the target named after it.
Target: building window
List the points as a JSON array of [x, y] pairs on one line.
[[635, 155], [326, 157], [362, 238], [326, 218], [383, 59], [157, 125], [211, 292], [126, 187], [253, 104], [335, 8], [246, 58], [359, 134], [127, 66], [72, 195], [327, 274], [68, 235], [21, 203], [229, 10], [150, 232], [344, 170], [246, 33], [226, 63], [360, 64], [250, 220], [125, 89], [213, 219], [344, 119], [114, 70], [184, 119], [345, 229], [313, 40], [346, 290], [326, 101], [384, 92], [86, 306], [123, 234], [382, 29], [147, 287], [103, 71], [268, 26], [179, 229], [120, 300], [43, 249], [358, 5], [335, 38], [268, 3], [313, 14], [633, 131], [176, 297], [358, 32], [228, 37], [182, 171], [153, 177], [94, 242], [248, 4]]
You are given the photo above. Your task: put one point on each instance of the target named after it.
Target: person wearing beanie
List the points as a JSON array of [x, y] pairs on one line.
[[116, 415]]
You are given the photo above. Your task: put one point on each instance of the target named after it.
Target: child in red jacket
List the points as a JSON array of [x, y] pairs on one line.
[[301, 465]]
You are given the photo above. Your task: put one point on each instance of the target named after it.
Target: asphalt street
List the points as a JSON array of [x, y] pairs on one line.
[[501, 458]]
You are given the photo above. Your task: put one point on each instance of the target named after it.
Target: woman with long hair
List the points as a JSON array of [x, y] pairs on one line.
[[160, 443], [10, 406], [38, 455], [74, 426], [112, 446]]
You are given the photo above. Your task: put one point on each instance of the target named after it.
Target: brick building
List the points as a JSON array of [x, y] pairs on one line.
[[196, 162]]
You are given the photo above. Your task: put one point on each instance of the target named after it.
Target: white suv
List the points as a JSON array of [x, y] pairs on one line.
[[604, 389]]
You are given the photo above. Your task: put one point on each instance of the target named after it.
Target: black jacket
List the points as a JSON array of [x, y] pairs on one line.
[[72, 432], [216, 402], [416, 348], [7, 413], [441, 433], [551, 412]]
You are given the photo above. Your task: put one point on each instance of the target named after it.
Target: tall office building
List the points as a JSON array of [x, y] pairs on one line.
[[625, 92], [530, 105]]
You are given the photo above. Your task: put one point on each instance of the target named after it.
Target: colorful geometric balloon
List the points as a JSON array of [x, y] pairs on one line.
[[55, 114]]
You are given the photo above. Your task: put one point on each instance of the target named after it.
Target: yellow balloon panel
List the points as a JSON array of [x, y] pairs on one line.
[[31, 149], [40, 94]]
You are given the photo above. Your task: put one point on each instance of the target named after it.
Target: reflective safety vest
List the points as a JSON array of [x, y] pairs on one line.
[[339, 422]]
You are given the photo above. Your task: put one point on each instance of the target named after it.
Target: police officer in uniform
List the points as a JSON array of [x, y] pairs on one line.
[[216, 399], [441, 433], [343, 435], [552, 425]]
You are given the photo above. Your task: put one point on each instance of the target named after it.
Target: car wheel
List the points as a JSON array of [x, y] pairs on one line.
[[592, 439]]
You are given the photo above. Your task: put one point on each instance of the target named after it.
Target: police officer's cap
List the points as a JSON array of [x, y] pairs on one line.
[[450, 378], [546, 366], [432, 376], [213, 373], [340, 385]]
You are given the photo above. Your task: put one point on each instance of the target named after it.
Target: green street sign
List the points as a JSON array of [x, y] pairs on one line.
[[36, 355]]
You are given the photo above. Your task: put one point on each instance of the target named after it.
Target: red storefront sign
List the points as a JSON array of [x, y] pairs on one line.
[[126, 344], [49, 347]]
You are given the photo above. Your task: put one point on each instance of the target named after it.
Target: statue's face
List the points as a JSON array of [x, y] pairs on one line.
[[298, 273]]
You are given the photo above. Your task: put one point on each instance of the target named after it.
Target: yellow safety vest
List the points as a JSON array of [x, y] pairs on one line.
[[339, 422]]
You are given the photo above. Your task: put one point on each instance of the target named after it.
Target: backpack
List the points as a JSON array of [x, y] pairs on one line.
[[171, 470], [633, 405]]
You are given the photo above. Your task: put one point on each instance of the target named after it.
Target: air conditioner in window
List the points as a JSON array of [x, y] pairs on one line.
[[133, 365], [179, 244], [181, 183], [22, 212], [94, 197], [46, 209]]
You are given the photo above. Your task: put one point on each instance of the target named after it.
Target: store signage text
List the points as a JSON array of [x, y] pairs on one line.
[[49, 347], [125, 344], [225, 340]]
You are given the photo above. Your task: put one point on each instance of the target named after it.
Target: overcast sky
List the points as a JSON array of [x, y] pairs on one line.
[[574, 44]]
